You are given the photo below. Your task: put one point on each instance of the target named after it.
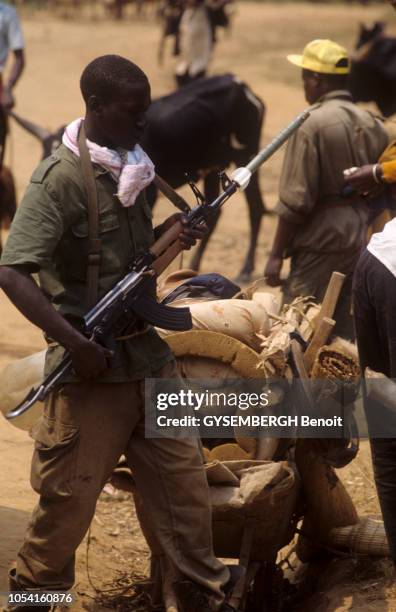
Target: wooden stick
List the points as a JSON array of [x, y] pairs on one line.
[[322, 331], [332, 294], [299, 363]]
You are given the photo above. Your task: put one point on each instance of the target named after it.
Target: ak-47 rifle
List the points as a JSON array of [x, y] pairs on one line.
[[133, 296]]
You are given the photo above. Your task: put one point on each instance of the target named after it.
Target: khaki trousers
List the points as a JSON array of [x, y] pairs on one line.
[[78, 441]]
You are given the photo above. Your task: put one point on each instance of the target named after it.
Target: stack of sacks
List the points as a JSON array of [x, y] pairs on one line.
[[246, 316], [16, 381], [246, 321]]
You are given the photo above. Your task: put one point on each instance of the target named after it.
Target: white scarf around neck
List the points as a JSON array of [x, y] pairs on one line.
[[133, 170]]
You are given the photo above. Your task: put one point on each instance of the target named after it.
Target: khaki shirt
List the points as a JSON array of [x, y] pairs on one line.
[[337, 135], [49, 235]]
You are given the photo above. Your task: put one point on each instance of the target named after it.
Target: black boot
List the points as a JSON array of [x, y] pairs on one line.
[[193, 598], [13, 586]]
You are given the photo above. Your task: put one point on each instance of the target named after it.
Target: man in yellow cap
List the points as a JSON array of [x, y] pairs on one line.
[[319, 229]]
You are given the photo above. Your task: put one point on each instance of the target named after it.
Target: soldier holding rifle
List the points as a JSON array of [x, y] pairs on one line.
[[97, 413]]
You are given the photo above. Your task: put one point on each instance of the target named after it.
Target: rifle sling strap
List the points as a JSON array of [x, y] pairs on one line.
[[93, 220], [171, 194], [93, 263]]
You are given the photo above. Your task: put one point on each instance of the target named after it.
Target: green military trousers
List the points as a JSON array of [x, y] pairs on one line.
[[86, 427]]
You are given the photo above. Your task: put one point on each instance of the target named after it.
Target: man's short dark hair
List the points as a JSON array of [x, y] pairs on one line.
[[108, 75]]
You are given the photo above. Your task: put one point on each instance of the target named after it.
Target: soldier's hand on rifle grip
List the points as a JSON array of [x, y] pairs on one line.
[[89, 358], [188, 236]]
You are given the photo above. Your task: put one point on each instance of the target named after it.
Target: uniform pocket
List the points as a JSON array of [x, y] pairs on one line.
[[107, 223], [54, 459]]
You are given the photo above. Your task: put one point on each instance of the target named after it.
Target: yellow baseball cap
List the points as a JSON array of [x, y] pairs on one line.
[[324, 56]]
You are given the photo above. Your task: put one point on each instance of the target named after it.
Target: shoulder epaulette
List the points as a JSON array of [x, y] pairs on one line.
[[44, 168]]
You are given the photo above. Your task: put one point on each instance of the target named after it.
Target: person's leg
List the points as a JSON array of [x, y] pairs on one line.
[[369, 327], [170, 478], [3, 131], [78, 442], [310, 274], [374, 301]]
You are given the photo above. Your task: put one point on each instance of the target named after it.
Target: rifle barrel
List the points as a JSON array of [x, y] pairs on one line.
[[277, 142]]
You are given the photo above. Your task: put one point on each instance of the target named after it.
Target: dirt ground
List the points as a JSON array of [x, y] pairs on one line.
[[255, 49]]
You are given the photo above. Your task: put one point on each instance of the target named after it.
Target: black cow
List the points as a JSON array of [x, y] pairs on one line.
[[7, 199], [7, 184], [373, 70], [200, 130]]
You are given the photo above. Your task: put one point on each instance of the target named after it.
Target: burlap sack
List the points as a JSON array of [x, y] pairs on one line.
[[229, 452], [16, 380], [190, 366], [270, 302], [244, 320], [265, 500]]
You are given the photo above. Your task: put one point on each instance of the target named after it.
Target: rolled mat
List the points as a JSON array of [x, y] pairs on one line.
[[367, 537], [335, 364]]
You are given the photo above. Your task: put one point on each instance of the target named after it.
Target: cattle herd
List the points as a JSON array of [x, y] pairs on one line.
[[113, 8]]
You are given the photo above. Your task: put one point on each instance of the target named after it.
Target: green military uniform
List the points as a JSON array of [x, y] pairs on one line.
[[50, 236], [331, 230], [87, 425]]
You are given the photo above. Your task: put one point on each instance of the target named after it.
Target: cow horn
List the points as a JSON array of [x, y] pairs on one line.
[[359, 55], [41, 133]]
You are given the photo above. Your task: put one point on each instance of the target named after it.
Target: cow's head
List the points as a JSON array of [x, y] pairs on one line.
[[8, 203], [371, 77], [50, 141], [369, 33]]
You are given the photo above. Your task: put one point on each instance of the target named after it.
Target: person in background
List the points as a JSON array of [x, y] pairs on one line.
[[197, 36], [196, 42], [374, 306], [319, 229], [11, 40]]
